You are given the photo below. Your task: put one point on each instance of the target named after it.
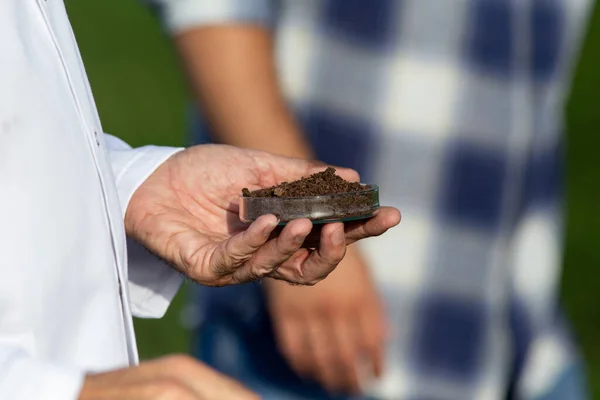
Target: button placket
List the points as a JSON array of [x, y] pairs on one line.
[[88, 126]]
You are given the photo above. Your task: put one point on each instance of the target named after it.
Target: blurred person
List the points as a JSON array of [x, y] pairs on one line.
[[455, 108], [70, 195]]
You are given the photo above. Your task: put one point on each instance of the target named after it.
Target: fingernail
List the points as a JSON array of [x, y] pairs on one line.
[[338, 237]]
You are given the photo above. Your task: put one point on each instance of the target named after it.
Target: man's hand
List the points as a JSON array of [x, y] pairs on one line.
[[186, 212], [327, 331], [169, 378]]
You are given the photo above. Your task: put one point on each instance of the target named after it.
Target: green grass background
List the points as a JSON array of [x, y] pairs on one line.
[[142, 98]]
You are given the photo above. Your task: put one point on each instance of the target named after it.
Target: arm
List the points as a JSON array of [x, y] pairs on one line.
[[227, 50], [232, 73], [231, 66]]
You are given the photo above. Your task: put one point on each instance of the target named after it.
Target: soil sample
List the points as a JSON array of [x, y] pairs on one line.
[[321, 197]]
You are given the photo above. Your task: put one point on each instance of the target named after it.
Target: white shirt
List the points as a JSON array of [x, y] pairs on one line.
[[64, 187]]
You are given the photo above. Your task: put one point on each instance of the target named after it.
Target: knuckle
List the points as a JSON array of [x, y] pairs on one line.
[[262, 270], [256, 273], [259, 269]]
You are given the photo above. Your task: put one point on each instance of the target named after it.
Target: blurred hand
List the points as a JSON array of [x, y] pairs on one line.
[[169, 378], [186, 212], [326, 331]]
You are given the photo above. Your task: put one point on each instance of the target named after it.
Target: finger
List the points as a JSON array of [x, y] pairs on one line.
[[319, 347], [291, 270], [232, 253], [289, 335], [386, 218], [213, 385], [167, 389], [327, 256], [308, 270], [204, 382], [372, 326], [114, 386], [275, 252], [345, 342]]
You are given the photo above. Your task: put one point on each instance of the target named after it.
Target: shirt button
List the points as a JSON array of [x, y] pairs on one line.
[[96, 136]]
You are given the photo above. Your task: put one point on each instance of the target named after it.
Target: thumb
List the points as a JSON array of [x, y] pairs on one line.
[[230, 254]]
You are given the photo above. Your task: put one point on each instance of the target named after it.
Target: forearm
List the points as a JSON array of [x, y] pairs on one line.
[[232, 72]]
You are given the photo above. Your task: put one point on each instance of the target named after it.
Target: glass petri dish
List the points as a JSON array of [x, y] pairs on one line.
[[319, 209]]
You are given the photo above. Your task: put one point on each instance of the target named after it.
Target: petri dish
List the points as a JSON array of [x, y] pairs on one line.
[[339, 207]]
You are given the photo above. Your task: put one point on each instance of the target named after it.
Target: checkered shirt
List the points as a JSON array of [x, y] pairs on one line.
[[455, 109]]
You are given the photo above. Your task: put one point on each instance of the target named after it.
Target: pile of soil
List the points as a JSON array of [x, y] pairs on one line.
[[319, 184], [358, 203]]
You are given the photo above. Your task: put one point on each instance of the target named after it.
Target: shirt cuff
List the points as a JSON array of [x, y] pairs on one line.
[[152, 283], [131, 167]]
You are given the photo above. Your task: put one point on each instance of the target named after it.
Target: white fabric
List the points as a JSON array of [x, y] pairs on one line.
[[64, 187]]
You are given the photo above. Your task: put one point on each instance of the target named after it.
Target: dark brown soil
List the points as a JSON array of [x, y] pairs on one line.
[[328, 197], [335, 199], [319, 184]]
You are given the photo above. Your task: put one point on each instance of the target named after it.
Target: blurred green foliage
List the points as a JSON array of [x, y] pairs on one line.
[[142, 98]]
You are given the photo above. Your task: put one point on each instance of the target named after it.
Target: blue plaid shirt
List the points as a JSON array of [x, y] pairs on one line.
[[455, 108]]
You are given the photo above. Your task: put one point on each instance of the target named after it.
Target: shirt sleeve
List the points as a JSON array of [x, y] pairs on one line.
[[152, 283], [181, 15], [23, 377]]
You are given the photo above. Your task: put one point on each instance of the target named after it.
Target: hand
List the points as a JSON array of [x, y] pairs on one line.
[[169, 378], [186, 212], [325, 332]]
